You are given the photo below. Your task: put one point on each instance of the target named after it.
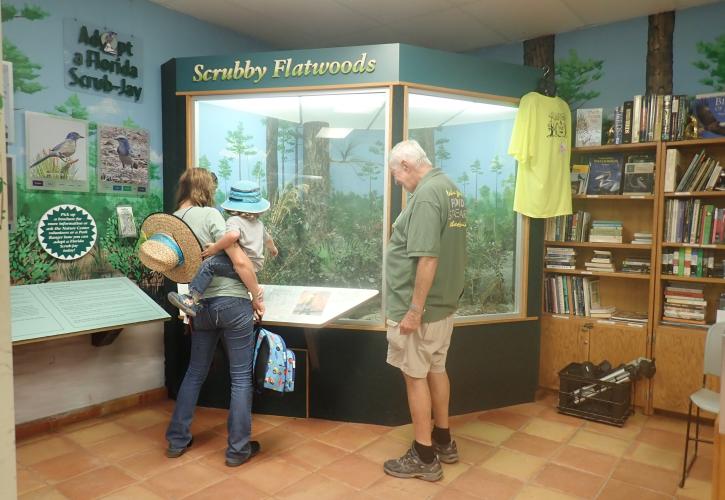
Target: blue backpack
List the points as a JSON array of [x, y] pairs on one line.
[[274, 364]]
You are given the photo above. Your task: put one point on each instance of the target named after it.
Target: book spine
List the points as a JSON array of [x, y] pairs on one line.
[[618, 124], [674, 118], [666, 117], [636, 117], [627, 124]]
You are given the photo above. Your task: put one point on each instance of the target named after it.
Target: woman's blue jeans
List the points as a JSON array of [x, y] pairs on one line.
[[232, 319]]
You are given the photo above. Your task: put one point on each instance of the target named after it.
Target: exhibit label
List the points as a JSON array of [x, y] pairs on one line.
[[67, 232], [102, 61], [283, 68]]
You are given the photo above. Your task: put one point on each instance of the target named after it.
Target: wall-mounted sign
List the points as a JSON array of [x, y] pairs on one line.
[[99, 60], [67, 232]]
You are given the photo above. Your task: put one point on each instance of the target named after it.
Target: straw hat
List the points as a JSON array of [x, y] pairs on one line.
[[244, 196], [171, 247]]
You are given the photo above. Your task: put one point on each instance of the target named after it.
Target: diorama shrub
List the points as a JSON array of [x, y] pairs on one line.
[[29, 263]]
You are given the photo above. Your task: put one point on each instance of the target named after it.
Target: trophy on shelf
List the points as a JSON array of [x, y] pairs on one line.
[[692, 128]]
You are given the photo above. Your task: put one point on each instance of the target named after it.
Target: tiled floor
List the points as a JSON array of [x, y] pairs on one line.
[[525, 452]]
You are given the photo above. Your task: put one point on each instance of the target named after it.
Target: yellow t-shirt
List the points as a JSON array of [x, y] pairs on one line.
[[541, 144]]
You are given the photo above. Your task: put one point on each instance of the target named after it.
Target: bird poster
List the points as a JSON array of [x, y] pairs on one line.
[[56, 150], [123, 160]]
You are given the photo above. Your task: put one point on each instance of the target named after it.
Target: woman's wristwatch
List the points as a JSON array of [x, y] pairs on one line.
[[415, 309]]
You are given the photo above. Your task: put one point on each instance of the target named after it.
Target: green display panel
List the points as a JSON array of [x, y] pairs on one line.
[[76, 307]]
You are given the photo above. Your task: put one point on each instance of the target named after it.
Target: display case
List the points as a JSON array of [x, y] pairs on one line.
[[314, 128]]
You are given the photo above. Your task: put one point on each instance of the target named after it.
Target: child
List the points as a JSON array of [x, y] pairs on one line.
[[244, 206]]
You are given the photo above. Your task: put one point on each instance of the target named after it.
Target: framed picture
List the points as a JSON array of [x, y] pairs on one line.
[[123, 160], [126, 222], [12, 209], [8, 102], [56, 152]]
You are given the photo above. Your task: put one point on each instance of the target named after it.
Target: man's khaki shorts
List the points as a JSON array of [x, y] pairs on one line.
[[420, 352]]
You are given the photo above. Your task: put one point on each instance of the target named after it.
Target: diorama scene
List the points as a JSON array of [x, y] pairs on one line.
[[320, 160]]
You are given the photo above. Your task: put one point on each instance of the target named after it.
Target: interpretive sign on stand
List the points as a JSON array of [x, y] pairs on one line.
[[310, 306], [78, 307]]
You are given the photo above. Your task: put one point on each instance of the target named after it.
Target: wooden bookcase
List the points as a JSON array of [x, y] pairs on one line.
[[568, 338], [678, 349]]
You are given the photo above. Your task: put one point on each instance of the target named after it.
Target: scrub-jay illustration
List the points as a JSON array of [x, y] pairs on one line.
[[64, 150], [124, 152]]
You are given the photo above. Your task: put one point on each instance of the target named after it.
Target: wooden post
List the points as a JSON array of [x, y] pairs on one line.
[[539, 52], [659, 53]]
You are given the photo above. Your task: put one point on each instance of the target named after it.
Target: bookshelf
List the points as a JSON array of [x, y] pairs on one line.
[[568, 337], [678, 347]]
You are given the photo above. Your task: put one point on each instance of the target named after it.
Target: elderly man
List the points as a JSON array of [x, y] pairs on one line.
[[426, 258]]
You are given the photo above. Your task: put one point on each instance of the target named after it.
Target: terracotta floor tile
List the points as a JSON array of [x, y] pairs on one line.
[[585, 460], [473, 452], [627, 432], [39, 451], [701, 469], [66, 466], [135, 492], [533, 445], [599, 442], [354, 471], [647, 476], [150, 462], [258, 427], [142, 419], [183, 480], [121, 446], [91, 435], [206, 442], [513, 421], [206, 418], [310, 427], [82, 424], [453, 494], [531, 492], [393, 488], [217, 461], [483, 431], [647, 454], [455, 421], [231, 488], [28, 481], [165, 405], [548, 429], [156, 433], [453, 471], [617, 490], [569, 481], [271, 475], [514, 464], [95, 483], [529, 409], [663, 439], [349, 437], [404, 433], [382, 449], [313, 454], [482, 483], [277, 440], [669, 424], [694, 489], [318, 487], [47, 493], [273, 420], [554, 415]]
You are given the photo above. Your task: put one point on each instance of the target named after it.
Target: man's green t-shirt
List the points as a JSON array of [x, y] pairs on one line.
[[208, 225], [433, 224]]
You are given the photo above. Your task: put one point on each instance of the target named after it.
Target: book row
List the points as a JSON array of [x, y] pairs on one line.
[[691, 262], [703, 173], [692, 221], [611, 174]]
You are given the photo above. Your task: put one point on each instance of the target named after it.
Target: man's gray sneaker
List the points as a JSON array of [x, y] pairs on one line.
[[410, 465], [447, 453]]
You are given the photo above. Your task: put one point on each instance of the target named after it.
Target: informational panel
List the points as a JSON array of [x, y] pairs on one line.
[[310, 306], [75, 307]]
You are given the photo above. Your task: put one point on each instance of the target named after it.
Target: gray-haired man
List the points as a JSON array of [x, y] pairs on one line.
[[426, 258]]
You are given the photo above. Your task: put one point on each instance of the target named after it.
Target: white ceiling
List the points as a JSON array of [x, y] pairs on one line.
[[454, 25]]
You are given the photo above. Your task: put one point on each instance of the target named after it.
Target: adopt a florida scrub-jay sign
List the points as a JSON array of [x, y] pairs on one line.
[[101, 61], [67, 232]]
